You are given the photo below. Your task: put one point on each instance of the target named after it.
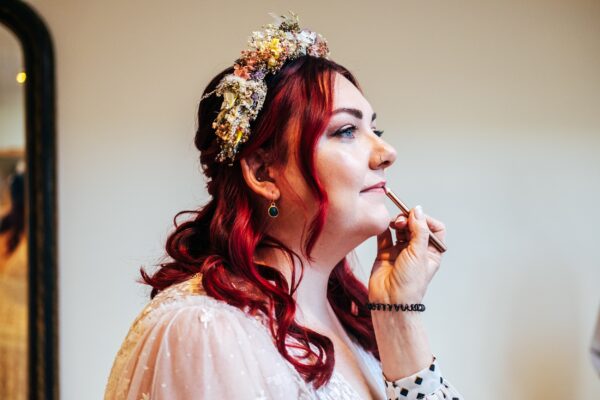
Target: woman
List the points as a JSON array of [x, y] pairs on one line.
[[259, 301]]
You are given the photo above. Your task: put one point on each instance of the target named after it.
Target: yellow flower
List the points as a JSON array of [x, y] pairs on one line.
[[274, 47], [239, 136]]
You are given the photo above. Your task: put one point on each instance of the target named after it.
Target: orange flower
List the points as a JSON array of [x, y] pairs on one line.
[[242, 72]]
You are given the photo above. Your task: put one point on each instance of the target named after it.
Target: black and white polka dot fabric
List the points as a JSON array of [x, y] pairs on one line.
[[427, 384]]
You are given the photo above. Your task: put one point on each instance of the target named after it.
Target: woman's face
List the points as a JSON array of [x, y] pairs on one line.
[[350, 157]]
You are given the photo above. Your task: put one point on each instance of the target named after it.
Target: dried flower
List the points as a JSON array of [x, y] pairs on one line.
[[244, 91]]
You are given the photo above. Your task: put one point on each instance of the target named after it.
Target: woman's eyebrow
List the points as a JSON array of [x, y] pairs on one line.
[[353, 111]]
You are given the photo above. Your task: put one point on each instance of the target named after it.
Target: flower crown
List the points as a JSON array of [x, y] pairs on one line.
[[245, 90]]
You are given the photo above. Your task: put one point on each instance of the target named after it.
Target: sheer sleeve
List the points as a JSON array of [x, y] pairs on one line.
[[427, 384], [204, 351]]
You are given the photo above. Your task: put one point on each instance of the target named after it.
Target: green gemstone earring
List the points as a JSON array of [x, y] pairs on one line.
[[273, 210]]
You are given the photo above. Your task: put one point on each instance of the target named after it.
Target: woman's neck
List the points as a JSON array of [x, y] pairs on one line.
[[313, 308]]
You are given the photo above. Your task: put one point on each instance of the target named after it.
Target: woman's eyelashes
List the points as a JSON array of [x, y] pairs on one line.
[[350, 130]]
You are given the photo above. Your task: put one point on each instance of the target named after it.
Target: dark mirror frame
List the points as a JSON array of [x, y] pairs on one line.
[[40, 153]]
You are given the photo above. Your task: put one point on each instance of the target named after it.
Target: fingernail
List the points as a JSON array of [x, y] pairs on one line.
[[419, 212], [401, 218]]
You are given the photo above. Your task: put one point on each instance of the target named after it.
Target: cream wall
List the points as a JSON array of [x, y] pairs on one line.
[[492, 106]]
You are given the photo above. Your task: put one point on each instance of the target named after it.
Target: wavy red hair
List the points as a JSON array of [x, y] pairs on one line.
[[221, 238]]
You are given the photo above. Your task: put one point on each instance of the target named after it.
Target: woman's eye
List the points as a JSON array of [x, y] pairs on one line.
[[351, 129], [342, 132]]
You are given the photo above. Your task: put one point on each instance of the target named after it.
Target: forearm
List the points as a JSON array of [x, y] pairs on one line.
[[402, 342]]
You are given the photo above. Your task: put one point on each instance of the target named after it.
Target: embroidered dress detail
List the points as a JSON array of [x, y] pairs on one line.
[[187, 345]]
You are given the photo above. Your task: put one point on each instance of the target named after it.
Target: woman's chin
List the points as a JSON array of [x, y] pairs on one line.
[[379, 222], [382, 227]]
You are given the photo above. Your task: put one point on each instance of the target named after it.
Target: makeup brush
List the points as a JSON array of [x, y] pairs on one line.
[[437, 243]]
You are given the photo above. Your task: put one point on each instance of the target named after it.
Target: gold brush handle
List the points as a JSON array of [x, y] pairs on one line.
[[437, 243]]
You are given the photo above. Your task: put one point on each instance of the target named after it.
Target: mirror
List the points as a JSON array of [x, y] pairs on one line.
[[28, 299], [13, 237]]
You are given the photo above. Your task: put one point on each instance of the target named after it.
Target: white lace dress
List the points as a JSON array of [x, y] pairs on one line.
[[188, 345]]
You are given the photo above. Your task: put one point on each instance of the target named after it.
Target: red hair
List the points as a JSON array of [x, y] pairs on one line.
[[221, 239]]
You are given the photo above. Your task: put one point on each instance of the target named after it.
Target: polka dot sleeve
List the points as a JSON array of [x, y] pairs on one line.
[[427, 384]]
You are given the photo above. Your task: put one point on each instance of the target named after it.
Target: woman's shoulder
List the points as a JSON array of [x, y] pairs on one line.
[[187, 302], [183, 327], [181, 309]]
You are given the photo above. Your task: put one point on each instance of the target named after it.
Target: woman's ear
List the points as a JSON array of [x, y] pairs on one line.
[[259, 174]]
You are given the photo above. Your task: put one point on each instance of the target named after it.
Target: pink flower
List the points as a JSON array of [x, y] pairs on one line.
[[240, 71]]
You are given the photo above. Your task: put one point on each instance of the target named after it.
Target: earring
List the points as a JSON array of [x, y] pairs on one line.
[[273, 210]]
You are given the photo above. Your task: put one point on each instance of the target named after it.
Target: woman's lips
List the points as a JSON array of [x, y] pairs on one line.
[[379, 185], [374, 190]]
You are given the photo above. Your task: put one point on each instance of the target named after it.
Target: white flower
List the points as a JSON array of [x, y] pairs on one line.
[[258, 35], [307, 37]]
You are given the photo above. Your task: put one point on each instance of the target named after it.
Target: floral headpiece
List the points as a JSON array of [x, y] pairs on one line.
[[245, 90]]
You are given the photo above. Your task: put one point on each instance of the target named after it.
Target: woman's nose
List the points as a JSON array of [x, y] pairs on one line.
[[385, 156]]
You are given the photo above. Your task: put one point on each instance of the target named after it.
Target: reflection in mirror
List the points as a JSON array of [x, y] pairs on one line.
[[13, 238]]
